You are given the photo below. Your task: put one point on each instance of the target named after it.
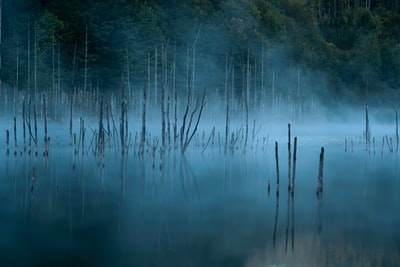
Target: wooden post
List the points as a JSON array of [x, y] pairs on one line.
[[163, 92], [277, 168], [143, 133], [82, 124], [321, 173], [227, 105], [289, 157], [15, 136], [46, 144], [35, 128], [294, 163], [23, 123], [367, 129], [7, 142], [397, 131], [70, 119], [100, 142], [175, 94]]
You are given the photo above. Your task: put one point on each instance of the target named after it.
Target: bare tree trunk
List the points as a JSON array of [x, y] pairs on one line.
[[247, 95], [155, 75], [123, 123], [189, 139], [321, 173], [143, 133], [294, 164], [23, 123], [35, 67], [183, 127], [175, 93], [35, 128], [100, 141], [397, 131], [70, 119], [86, 59], [29, 56], [168, 120], [17, 74], [367, 129], [163, 90], [15, 136], [277, 168], [74, 65], [227, 105], [128, 76], [232, 85], [46, 141], [1, 33], [262, 78], [53, 76], [7, 142], [289, 158]]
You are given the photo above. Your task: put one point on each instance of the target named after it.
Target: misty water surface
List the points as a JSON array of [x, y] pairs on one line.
[[204, 209]]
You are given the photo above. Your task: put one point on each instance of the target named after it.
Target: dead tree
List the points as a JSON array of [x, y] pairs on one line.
[[189, 135], [367, 129], [46, 138], [397, 131], [277, 168], [321, 173], [143, 133], [123, 124]]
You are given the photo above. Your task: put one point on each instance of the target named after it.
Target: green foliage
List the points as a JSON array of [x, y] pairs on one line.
[[356, 46]]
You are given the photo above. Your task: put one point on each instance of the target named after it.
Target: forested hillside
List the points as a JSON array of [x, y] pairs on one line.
[[339, 48]]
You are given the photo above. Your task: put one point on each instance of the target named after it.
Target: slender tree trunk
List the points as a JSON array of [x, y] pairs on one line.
[[74, 65], [183, 127], [232, 85], [294, 164], [143, 133], [128, 76], [35, 66], [46, 141], [168, 120], [28, 57], [15, 136], [23, 123], [155, 75], [123, 128], [247, 95], [163, 89], [397, 131], [367, 129], [53, 77], [16, 85], [227, 105], [35, 128], [70, 119], [175, 93], [1, 33], [289, 158], [148, 72], [321, 173], [277, 168], [262, 78], [86, 59]]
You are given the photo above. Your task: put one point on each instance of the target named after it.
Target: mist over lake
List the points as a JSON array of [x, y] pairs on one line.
[[199, 133]]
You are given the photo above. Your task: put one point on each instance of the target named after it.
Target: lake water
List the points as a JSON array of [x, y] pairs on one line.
[[203, 209]]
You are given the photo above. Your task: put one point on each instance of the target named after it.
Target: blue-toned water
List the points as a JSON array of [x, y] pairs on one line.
[[204, 208]]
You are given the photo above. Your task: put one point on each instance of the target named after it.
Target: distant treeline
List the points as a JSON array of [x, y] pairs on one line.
[[107, 44]]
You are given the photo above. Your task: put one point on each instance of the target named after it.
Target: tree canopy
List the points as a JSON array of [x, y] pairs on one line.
[[355, 43]]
